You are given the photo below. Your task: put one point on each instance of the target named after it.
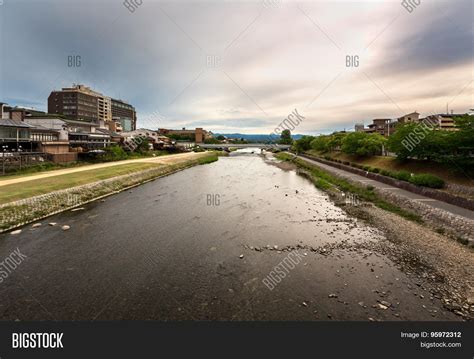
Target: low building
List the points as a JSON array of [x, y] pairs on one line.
[[82, 135], [15, 136], [154, 137], [411, 117], [17, 113], [197, 135]]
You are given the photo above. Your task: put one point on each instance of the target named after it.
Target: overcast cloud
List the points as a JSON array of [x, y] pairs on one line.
[[272, 59]]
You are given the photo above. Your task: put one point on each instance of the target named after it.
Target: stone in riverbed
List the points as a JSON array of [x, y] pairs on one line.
[[65, 227], [18, 231], [36, 225]]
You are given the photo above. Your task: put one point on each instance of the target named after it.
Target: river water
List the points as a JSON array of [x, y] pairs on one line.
[[198, 244]]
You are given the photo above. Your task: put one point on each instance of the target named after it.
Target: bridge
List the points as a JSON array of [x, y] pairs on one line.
[[235, 145]]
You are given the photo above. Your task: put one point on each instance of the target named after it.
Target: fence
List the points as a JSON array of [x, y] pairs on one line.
[[10, 160]]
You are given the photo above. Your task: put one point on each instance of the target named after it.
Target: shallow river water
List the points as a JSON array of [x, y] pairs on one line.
[[199, 244]]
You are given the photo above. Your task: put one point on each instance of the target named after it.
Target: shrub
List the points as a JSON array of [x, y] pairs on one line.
[[370, 188], [366, 168], [427, 180], [386, 173], [402, 176], [375, 170], [346, 163]]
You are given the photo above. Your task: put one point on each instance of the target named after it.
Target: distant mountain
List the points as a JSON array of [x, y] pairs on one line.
[[252, 137]]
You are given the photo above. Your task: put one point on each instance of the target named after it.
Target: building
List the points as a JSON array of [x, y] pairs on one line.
[[441, 121], [197, 135], [104, 104], [15, 135], [154, 137], [17, 113], [382, 126], [411, 117], [80, 135], [84, 104], [78, 103], [124, 115]]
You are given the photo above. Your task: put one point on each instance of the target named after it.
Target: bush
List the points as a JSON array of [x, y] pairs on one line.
[[386, 173], [113, 153], [375, 170], [346, 163], [370, 188], [427, 180], [366, 168], [402, 176]]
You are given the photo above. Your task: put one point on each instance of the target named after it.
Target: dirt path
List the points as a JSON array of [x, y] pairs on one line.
[[159, 160]]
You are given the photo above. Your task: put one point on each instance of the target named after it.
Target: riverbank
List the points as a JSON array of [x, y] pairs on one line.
[[415, 247], [89, 186], [456, 181]]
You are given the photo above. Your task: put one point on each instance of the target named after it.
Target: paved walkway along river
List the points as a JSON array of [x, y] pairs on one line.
[[197, 245]]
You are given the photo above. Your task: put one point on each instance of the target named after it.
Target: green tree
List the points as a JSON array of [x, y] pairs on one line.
[[303, 144], [221, 138], [321, 143], [363, 144], [285, 137]]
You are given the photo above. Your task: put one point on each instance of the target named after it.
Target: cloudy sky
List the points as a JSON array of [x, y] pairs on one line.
[[243, 66]]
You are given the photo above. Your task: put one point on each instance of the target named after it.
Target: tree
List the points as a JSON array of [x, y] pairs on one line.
[[335, 141], [285, 137], [221, 138], [363, 144], [303, 144], [321, 143]]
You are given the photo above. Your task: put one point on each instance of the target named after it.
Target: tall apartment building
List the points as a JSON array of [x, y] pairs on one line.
[[81, 103], [105, 108], [124, 115], [78, 103]]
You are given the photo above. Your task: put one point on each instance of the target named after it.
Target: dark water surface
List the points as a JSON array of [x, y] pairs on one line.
[[161, 251]]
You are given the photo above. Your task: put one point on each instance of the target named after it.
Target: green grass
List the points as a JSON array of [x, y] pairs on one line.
[[326, 181], [27, 189], [49, 166], [36, 187], [212, 157]]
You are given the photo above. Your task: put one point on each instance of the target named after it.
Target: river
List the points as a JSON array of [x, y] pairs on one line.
[[196, 245]]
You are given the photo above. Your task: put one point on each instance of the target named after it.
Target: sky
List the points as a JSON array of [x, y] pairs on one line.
[[244, 66]]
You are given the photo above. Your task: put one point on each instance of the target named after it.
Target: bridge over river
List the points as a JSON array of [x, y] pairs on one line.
[[257, 145]]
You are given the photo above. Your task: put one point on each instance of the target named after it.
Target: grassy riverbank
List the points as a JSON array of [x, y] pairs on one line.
[[60, 196], [16, 191], [331, 184], [394, 165]]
